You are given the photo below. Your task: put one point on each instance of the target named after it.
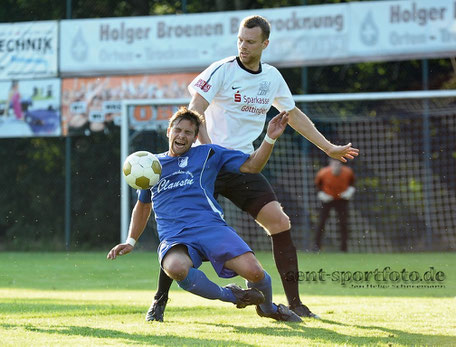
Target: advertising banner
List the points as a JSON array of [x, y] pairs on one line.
[[402, 29], [28, 50], [191, 42], [304, 35], [30, 108], [94, 104]]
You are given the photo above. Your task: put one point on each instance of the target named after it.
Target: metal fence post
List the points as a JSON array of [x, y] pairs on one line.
[[427, 184]]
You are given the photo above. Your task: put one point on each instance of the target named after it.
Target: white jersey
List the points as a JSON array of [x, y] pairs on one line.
[[239, 100]]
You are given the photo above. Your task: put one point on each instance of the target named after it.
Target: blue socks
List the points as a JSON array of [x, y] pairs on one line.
[[265, 286], [197, 283]]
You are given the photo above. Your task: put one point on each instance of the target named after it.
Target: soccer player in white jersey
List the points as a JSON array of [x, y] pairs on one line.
[[190, 222], [234, 95]]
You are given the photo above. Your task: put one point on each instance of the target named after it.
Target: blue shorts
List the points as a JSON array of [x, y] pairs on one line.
[[216, 244]]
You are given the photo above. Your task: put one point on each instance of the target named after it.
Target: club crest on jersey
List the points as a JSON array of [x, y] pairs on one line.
[[203, 85], [182, 161], [264, 88]]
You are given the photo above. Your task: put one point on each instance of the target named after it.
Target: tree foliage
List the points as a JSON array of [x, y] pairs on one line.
[[32, 200]]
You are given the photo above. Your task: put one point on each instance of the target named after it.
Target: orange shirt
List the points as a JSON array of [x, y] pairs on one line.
[[334, 185]]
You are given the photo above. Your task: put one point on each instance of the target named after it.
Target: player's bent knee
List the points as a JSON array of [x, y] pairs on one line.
[[177, 273], [175, 268], [279, 225], [285, 223], [272, 218], [255, 273]]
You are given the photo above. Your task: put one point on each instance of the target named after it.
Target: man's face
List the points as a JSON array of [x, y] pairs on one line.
[[181, 136], [251, 45]]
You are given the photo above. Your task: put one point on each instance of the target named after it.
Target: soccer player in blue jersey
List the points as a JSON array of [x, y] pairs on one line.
[[190, 222], [234, 95]]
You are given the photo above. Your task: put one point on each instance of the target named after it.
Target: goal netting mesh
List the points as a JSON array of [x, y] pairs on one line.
[[405, 196]]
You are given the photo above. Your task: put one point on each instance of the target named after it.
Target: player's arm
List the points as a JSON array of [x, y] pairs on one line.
[[258, 159], [200, 104], [139, 218], [303, 125]]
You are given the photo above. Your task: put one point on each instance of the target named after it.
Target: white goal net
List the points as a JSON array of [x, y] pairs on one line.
[[405, 174]]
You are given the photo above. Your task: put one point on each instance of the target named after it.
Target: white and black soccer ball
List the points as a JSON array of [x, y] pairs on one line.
[[141, 170]]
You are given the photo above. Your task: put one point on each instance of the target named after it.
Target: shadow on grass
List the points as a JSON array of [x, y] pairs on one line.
[[125, 337], [398, 336], [53, 308], [333, 337], [49, 308]]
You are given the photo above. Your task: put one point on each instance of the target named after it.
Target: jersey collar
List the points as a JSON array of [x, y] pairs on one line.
[[248, 70]]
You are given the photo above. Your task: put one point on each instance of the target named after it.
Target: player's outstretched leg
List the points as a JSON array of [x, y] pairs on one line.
[[272, 218], [157, 308], [268, 308], [286, 260], [197, 283]]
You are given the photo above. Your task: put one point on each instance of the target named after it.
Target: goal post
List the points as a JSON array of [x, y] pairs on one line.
[[405, 172]]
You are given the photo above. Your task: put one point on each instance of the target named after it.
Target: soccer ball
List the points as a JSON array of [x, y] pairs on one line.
[[141, 170]]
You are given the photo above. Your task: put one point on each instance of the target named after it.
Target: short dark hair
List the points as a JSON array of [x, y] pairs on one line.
[[190, 115], [257, 21]]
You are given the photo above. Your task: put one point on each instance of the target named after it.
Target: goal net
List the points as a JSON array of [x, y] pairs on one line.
[[405, 175]]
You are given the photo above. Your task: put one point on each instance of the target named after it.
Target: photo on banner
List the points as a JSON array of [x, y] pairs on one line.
[[30, 108], [93, 104]]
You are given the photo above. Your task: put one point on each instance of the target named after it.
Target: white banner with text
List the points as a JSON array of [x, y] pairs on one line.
[[304, 35], [28, 50]]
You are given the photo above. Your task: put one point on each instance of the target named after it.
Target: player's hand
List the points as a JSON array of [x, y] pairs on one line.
[[120, 249], [343, 153], [277, 125]]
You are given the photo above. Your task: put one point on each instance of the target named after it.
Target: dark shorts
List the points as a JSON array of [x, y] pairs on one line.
[[249, 192], [218, 244]]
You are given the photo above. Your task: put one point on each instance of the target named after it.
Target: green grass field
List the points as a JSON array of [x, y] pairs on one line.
[[81, 299]]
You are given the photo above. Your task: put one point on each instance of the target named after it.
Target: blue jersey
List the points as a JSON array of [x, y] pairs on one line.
[[184, 195]]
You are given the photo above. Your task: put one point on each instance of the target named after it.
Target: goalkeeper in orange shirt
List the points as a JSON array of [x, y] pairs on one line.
[[335, 188]]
